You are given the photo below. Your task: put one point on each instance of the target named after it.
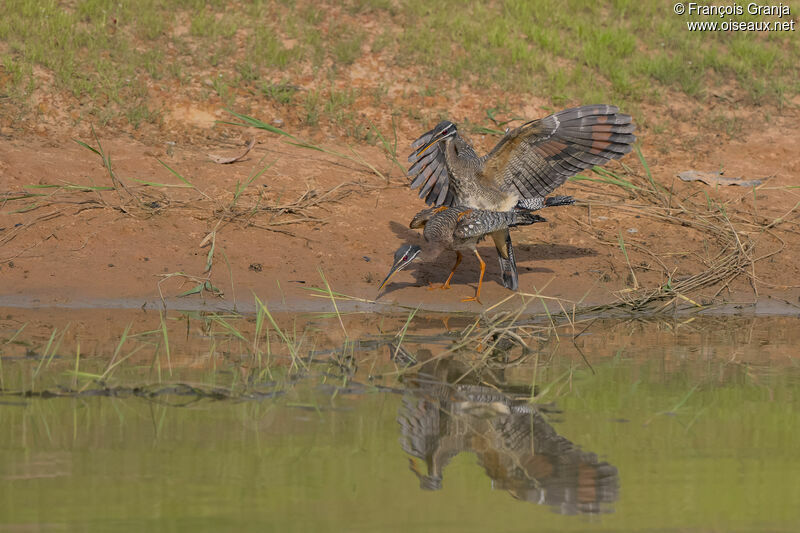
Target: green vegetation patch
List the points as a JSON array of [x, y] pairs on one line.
[[108, 56]]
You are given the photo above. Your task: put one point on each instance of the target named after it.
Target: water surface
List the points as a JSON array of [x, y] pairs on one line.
[[687, 424]]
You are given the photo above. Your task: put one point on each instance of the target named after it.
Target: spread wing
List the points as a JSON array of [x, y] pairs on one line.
[[540, 155], [429, 171]]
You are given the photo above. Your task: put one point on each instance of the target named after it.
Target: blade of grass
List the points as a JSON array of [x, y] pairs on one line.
[[256, 123], [627, 260], [88, 147], [402, 333], [111, 363], [333, 300], [165, 336], [289, 344], [233, 331], [27, 208], [71, 186], [77, 365], [643, 161], [210, 256], [197, 289], [43, 357], [156, 184]]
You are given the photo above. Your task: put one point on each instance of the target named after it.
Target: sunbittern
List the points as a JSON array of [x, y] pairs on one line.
[[449, 408], [527, 164], [459, 229]]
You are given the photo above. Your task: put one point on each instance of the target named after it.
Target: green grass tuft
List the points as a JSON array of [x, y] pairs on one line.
[[107, 55]]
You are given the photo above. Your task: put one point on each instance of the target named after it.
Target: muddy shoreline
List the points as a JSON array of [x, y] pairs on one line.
[[311, 218]]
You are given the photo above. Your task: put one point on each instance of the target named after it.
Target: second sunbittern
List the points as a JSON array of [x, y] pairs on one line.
[[527, 164], [459, 229]]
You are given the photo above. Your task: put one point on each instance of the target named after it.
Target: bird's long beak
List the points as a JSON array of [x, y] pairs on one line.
[[403, 256], [398, 266]]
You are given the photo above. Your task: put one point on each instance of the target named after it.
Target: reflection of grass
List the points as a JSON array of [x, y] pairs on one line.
[[229, 356], [133, 364], [741, 442]]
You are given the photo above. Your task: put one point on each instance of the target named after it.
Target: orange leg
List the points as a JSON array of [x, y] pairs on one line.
[[446, 284], [445, 321], [477, 296]]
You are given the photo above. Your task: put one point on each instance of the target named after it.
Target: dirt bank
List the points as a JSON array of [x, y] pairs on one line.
[[310, 213]]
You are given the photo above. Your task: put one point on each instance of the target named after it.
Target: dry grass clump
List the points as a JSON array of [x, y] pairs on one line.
[[734, 233]]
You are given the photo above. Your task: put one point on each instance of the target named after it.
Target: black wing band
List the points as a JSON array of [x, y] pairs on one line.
[[428, 171]]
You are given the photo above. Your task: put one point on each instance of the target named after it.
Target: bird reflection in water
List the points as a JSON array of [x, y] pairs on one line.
[[447, 410]]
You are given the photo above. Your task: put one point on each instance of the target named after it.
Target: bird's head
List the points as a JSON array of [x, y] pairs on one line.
[[443, 131], [402, 257]]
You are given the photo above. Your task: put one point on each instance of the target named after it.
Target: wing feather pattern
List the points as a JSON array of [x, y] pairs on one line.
[[542, 154], [429, 171]]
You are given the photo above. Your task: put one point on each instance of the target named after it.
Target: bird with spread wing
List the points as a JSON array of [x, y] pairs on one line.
[[526, 165]]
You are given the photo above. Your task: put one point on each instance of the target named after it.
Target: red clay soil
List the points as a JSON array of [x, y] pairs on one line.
[[112, 248]]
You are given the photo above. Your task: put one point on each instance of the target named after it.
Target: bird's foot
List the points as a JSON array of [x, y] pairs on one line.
[[443, 286], [472, 299]]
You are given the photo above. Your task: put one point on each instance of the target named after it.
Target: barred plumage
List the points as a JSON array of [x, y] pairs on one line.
[[512, 440], [459, 229], [528, 163]]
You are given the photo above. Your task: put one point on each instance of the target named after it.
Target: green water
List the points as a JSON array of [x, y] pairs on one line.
[[696, 429]]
